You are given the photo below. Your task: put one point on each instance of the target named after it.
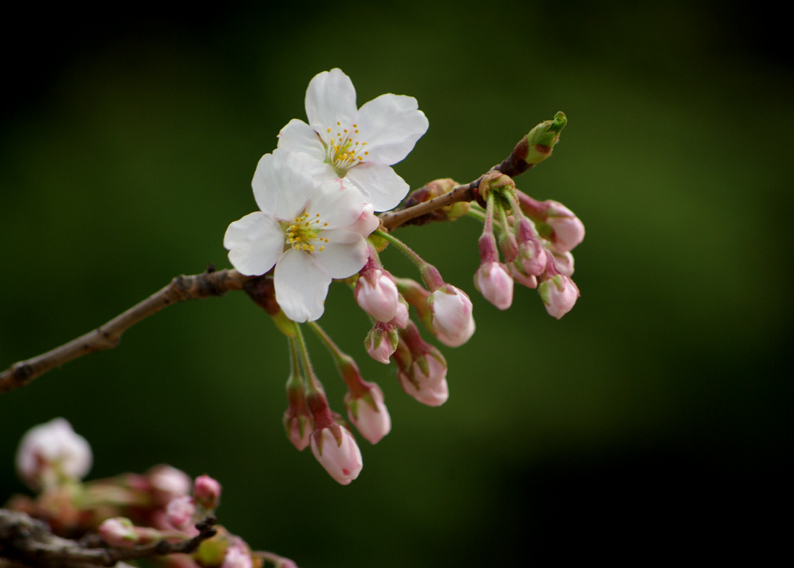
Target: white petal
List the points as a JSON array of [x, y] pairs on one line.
[[380, 185], [345, 254], [330, 98], [282, 183], [255, 243], [301, 286], [338, 202], [391, 125], [297, 136]]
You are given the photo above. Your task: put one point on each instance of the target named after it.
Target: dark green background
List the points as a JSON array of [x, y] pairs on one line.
[[654, 415]]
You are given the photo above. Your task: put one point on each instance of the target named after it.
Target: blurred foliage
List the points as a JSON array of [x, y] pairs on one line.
[[657, 409]]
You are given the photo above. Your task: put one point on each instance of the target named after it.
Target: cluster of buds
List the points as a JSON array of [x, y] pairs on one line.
[[128, 510], [317, 194]]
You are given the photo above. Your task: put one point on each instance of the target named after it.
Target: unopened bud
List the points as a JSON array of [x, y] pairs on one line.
[[207, 492], [452, 315], [118, 532], [369, 413], [237, 556], [495, 284], [567, 228], [180, 511], [542, 139], [559, 295], [381, 342], [51, 453], [376, 294], [337, 451], [168, 483]]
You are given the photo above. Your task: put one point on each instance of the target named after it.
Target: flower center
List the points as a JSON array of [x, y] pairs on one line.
[[304, 232], [343, 151]]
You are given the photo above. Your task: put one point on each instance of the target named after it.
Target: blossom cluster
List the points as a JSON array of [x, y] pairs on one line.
[[318, 193], [126, 510]]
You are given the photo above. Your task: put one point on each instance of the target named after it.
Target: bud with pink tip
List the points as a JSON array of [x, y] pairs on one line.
[[369, 413], [337, 451], [376, 294], [381, 341], [531, 254], [452, 315], [180, 512], [52, 453], [168, 483], [421, 368], [207, 492], [332, 445], [521, 278], [495, 284], [118, 532], [559, 294], [567, 229], [564, 262]]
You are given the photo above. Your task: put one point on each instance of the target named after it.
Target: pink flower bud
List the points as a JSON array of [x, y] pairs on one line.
[[568, 230], [381, 342], [521, 278], [118, 532], [531, 254], [180, 511], [426, 379], [452, 315], [495, 284], [52, 452], [237, 556], [337, 451], [369, 413], [298, 428], [564, 263], [376, 294], [559, 294], [207, 492], [168, 483], [401, 316]]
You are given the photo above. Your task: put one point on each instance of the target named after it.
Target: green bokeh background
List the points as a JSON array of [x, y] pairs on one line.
[[656, 413]]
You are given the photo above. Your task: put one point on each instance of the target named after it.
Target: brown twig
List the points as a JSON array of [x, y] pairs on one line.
[[27, 542], [205, 285]]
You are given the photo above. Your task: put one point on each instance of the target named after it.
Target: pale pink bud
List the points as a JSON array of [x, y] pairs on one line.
[[237, 557], [559, 294], [564, 263], [51, 452], [521, 278], [298, 428], [369, 414], [426, 380], [381, 342], [338, 453], [568, 229], [401, 315], [169, 482], [180, 511], [452, 315], [531, 254], [118, 532], [495, 284], [376, 294], [207, 492]]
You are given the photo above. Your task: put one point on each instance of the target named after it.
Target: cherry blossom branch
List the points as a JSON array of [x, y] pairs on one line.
[[27, 542], [205, 285]]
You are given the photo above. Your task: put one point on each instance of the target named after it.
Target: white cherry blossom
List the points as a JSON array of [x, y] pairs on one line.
[[311, 232], [359, 144]]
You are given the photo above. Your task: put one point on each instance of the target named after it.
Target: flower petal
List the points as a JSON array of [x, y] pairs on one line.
[[297, 136], [345, 253], [255, 243], [282, 183], [301, 286], [338, 202], [391, 125], [330, 98], [380, 185]]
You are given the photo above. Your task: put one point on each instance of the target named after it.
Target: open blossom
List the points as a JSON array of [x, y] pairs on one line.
[[359, 144], [51, 452], [310, 232], [337, 451]]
